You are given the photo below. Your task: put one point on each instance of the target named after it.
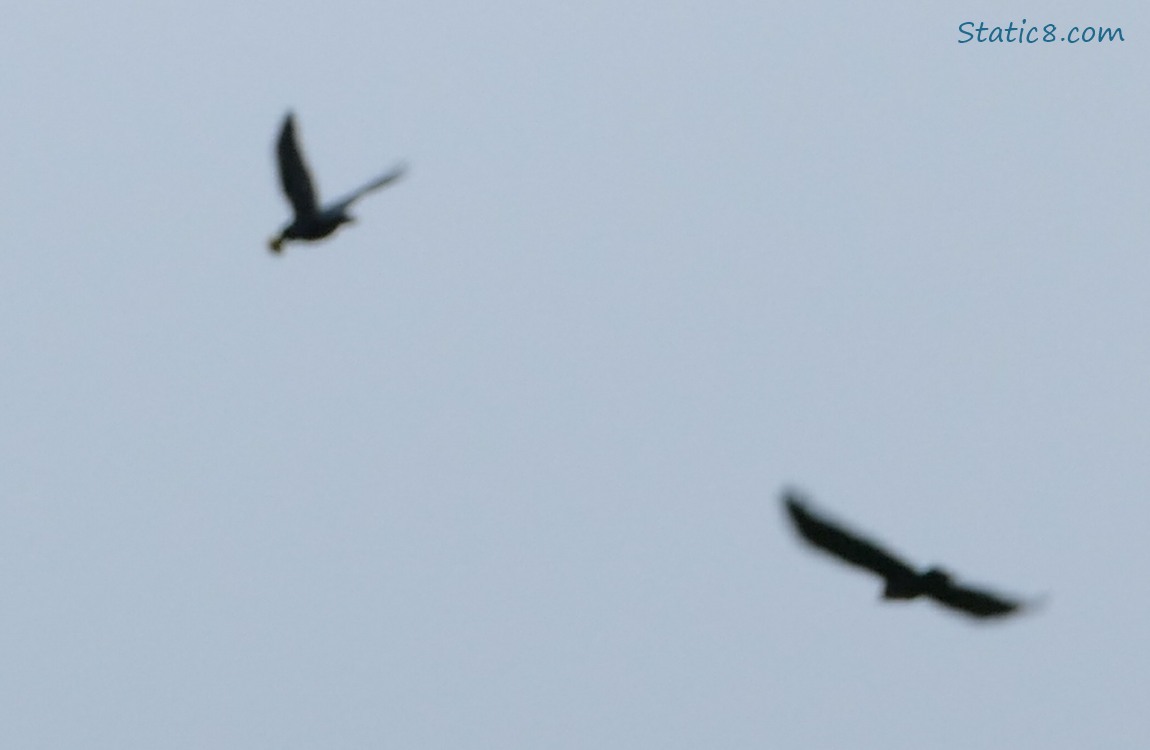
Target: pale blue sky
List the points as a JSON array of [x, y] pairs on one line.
[[497, 467]]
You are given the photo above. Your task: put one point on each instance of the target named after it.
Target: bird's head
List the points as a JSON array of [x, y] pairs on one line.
[[935, 577]]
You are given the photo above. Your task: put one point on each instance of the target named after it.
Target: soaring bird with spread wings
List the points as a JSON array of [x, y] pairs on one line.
[[313, 221], [902, 581]]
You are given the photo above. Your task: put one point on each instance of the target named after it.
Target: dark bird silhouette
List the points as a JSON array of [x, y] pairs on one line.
[[312, 221], [902, 581]]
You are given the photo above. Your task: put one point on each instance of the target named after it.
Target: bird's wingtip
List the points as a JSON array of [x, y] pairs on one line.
[[1033, 604], [399, 170], [792, 497]]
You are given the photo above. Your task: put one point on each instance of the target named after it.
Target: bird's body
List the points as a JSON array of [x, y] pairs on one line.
[[312, 221], [902, 581]]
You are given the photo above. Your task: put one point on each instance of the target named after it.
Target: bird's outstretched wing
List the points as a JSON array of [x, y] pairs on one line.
[[294, 174], [848, 546], [972, 601], [396, 172]]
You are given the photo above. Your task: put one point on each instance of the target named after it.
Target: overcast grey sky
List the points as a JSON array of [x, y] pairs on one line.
[[498, 466]]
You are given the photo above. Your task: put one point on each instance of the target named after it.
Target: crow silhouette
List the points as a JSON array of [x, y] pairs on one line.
[[313, 221], [902, 581]]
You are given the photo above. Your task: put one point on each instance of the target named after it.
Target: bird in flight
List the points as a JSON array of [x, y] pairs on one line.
[[902, 581], [313, 221]]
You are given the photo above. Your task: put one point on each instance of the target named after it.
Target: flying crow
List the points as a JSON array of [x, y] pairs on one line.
[[902, 581], [312, 221]]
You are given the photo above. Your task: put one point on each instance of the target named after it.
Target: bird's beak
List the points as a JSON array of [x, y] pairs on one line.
[[275, 243]]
